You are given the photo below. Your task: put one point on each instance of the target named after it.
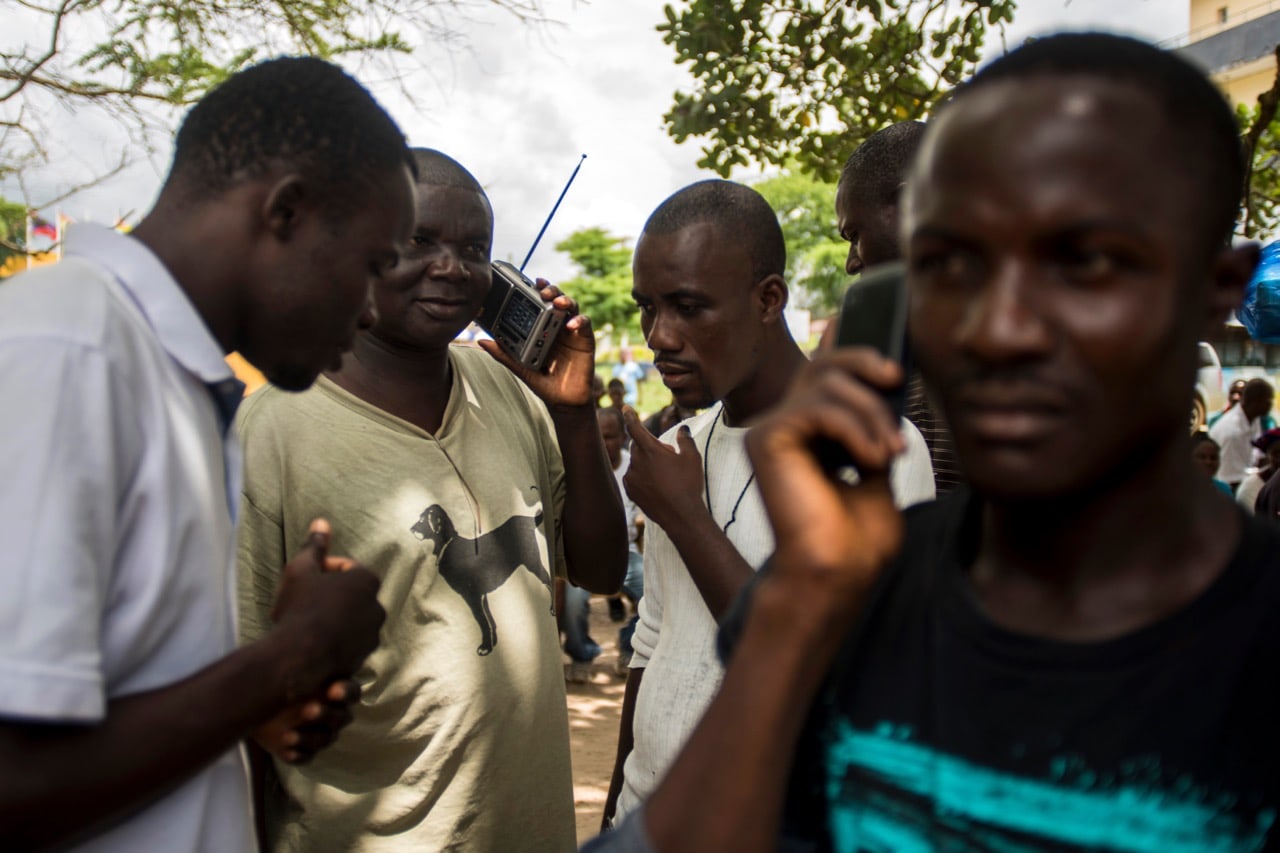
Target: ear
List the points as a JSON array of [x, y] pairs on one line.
[[1229, 272], [283, 207], [772, 296]]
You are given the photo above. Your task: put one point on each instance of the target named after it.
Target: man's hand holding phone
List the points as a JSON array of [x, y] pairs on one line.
[[833, 536]]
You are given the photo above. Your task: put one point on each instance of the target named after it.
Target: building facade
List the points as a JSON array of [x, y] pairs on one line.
[[1235, 40]]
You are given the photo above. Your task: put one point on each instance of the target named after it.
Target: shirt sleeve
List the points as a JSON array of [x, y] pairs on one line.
[[69, 444]]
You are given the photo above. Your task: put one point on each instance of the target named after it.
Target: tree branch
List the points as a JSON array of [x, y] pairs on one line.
[[1268, 102], [22, 78]]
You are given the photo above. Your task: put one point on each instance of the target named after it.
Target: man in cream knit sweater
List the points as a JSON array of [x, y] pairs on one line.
[[708, 279]]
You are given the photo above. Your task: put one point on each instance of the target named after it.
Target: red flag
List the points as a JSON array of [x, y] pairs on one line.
[[43, 228]]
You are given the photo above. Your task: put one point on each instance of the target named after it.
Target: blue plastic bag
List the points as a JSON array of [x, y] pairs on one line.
[[1260, 312]]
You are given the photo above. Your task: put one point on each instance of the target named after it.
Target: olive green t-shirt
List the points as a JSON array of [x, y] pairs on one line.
[[460, 740]]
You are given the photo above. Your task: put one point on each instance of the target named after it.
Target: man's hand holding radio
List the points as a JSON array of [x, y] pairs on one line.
[[565, 379], [595, 528]]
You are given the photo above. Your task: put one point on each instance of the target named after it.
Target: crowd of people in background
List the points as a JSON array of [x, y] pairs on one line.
[[331, 617]]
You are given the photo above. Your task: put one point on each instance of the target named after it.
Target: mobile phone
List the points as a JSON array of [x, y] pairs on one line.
[[515, 315], [873, 313]]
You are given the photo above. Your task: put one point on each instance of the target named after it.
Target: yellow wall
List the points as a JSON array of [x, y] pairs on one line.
[[1204, 22], [1243, 83], [246, 373], [17, 264]]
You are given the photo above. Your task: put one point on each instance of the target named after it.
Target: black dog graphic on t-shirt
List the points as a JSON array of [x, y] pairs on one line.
[[476, 567]]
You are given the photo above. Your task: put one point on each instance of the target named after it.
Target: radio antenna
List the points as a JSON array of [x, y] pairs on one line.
[[554, 208]]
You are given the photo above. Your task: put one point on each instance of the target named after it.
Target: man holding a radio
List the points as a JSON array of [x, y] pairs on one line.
[[1076, 651], [467, 482]]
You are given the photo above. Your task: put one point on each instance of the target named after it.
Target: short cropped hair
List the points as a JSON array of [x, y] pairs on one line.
[[1201, 126], [740, 213], [437, 169], [880, 164], [1200, 437], [300, 112]]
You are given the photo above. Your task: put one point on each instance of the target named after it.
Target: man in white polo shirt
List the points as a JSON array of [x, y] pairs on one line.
[[123, 698]]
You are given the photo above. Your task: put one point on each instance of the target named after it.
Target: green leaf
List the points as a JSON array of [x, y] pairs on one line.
[[860, 64]]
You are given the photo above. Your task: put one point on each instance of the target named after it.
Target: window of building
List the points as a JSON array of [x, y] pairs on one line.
[[1222, 14]]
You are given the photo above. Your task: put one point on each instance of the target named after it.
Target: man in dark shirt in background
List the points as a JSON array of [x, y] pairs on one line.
[[1078, 650], [868, 204]]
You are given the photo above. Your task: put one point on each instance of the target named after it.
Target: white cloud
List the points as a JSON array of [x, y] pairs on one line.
[[519, 105]]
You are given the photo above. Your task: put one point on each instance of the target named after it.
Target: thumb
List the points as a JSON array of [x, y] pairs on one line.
[[632, 420], [339, 564], [318, 535], [685, 443]]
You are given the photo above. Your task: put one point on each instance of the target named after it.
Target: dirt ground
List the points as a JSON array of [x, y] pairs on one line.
[[594, 709]]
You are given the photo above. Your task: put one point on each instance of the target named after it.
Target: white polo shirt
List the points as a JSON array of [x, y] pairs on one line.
[[117, 568]]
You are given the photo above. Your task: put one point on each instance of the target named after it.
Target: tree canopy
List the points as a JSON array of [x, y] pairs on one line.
[[815, 253], [13, 229], [603, 289], [805, 81]]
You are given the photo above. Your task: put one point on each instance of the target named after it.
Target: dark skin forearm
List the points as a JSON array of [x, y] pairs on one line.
[[717, 569], [261, 777], [59, 783], [626, 741], [595, 530], [726, 788]]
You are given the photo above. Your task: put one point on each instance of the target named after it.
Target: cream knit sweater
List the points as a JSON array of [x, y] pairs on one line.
[[675, 638]]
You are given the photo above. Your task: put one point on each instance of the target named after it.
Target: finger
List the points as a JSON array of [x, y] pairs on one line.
[[315, 737], [319, 533], [798, 494], [865, 364], [344, 690], [641, 437], [547, 290], [685, 443], [566, 303], [339, 564], [851, 411]]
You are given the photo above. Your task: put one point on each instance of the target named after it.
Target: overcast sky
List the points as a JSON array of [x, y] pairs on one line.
[[518, 106]]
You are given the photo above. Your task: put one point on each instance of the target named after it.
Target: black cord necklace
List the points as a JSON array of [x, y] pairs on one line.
[[706, 476]]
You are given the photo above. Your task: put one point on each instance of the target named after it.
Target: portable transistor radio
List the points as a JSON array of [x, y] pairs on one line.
[[514, 313]]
